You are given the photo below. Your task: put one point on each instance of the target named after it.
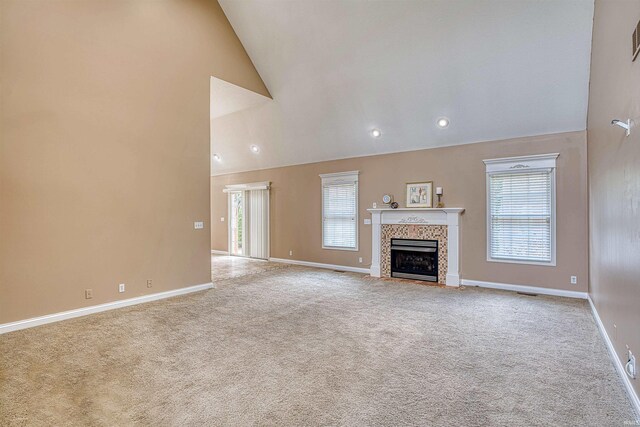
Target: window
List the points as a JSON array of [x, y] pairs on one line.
[[521, 209], [340, 210]]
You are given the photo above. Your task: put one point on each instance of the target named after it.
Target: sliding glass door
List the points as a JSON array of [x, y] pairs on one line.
[[249, 220]]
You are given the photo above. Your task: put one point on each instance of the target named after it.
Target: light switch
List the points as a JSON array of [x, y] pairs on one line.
[[221, 219], [198, 225]]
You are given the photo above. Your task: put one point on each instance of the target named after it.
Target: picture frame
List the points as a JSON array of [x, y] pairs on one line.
[[420, 194]]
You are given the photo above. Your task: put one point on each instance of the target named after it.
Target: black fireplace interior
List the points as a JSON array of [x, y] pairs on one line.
[[414, 259]]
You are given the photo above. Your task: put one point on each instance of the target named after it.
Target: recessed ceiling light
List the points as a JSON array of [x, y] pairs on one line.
[[217, 157], [443, 122], [255, 149], [376, 133]]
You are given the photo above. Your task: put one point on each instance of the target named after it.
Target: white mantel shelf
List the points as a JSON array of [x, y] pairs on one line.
[[419, 216], [447, 210]]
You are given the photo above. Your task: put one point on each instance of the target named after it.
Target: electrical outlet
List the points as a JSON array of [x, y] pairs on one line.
[[121, 287], [198, 225], [574, 280], [367, 221], [149, 283], [630, 366], [290, 253], [88, 293], [360, 260], [221, 219]]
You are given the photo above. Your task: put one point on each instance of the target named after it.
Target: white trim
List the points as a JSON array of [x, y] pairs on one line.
[[633, 396], [445, 210], [523, 261], [524, 288], [452, 279], [320, 265], [264, 185], [509, 164], [375, 271], [337, 248], [218, 252], [56, 317], [340, 176]]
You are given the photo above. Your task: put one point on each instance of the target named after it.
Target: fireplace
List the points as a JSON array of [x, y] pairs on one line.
[[439, 224], [414, 259]]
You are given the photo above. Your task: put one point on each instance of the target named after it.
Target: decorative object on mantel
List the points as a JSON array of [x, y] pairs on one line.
[[412, 220], [439, 193], [387, 199], [393, 205], [419, 194]]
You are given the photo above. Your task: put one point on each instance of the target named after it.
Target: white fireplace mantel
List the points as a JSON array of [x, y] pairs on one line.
[[419, 216]]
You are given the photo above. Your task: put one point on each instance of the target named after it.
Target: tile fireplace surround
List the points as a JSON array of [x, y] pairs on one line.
[[440, 224]]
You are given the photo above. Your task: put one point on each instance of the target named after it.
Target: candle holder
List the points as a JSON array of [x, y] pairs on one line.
[[439, 193]]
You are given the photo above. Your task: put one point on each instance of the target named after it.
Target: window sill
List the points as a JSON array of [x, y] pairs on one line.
[[331, 248], [525, 262]]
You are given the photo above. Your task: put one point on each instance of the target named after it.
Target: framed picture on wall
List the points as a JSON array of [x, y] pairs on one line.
[[420, 194]]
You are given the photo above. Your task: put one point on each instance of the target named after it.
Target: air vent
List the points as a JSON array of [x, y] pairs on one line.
[[528, 294]]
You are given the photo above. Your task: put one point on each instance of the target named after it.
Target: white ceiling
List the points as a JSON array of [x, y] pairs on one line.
[[336, 69]]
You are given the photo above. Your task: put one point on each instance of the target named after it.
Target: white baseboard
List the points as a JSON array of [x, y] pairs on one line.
[[635, 401], [522, 288], [56, 317], [320, 265], [217, 252]]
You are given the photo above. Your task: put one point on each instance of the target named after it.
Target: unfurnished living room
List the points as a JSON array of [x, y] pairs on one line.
[[319, 212]]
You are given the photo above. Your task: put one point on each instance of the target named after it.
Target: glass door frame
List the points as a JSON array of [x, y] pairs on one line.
[[230, 195]]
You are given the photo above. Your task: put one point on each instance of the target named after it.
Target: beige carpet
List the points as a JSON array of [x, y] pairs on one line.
[[232, 267], [297, 346]]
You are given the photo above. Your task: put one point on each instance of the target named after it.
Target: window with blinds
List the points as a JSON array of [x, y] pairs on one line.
[[340, 211], [521, 210]]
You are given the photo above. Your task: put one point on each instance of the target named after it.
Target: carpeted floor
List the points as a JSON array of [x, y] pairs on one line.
[[299, 346], [232, 267]]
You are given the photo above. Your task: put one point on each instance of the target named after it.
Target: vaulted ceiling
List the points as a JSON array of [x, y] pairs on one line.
[[338, 69]]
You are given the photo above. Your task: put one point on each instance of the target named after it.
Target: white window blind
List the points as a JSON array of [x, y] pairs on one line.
[[340, 211], [521, 212]]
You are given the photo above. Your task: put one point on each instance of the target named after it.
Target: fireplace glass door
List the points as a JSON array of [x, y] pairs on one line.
[[414, 259]]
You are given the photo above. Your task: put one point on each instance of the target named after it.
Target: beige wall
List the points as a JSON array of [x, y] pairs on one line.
[[296, 216], [614, 175], [104, 147]]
